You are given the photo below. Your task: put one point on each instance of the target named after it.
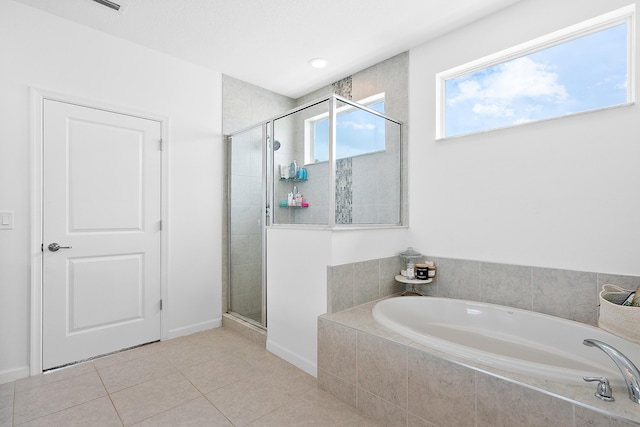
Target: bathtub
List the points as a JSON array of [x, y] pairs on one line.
[[509, 339]]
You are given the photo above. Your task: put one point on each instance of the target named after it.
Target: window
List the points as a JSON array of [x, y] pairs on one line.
[[583, 68], [357, 132]]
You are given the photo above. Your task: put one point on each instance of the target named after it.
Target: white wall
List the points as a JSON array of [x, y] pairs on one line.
[[43, 51], [297, 281], [351, 246], [297, 292], [562, 194]]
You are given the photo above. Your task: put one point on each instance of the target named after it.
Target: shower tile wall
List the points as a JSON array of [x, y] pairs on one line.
[[375, 183], [246, 233], [344, 87], [315, 192], [344, 169], [344, 191], [392, 78], [244, 105], [374, 177], [289, 130]]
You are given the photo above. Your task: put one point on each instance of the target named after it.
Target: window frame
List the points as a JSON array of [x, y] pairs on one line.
[[309, 147], [616, 17]]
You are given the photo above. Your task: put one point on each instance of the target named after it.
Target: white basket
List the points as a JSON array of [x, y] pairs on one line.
[[620, 320]]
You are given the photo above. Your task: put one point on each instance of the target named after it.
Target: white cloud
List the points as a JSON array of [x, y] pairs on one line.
[[356, 126], [622, 85], [521, 120], [469, 89], [496, 91], [495, 110]]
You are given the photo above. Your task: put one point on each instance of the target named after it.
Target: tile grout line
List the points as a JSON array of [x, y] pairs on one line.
[[159, 354], [13, 405], [108, 394], [406, 355], [531, 286], [319, 404], [202, 394], [53, 382]]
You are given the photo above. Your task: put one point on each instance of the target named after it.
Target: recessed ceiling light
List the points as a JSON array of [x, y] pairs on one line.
[[318, 62]]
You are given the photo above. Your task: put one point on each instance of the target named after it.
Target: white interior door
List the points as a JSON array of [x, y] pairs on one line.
[[102, 206]]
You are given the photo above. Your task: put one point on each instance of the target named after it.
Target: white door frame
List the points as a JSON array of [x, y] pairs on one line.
[[36, 255]]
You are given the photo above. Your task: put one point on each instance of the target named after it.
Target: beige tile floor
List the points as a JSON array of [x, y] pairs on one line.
[[212, 378]]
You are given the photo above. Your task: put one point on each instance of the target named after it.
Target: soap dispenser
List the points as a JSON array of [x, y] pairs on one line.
[[298, 197], [293, 169]]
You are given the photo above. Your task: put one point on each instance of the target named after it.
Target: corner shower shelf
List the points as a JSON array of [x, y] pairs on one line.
[[292, 180], [413, 282]]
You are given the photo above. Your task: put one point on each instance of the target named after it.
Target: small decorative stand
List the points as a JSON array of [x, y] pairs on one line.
[[413, 282]]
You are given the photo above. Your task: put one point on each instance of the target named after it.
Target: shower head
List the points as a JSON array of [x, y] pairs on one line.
[[108, 3], [276, 145]]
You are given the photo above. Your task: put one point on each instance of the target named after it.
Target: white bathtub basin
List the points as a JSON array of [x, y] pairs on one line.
[[506, 338]]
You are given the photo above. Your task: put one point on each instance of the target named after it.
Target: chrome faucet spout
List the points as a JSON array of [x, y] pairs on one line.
[[629, 371]]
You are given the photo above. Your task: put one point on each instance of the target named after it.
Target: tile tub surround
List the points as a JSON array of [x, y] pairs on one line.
[[401, 383], [353, 284], [568, 294]]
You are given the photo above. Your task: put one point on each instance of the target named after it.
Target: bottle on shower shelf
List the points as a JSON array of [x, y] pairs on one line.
[[293, 170]]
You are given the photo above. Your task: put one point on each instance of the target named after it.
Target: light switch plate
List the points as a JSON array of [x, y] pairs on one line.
[[6, 220]]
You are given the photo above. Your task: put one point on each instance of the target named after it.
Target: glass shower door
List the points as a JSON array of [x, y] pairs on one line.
[[247, 216]]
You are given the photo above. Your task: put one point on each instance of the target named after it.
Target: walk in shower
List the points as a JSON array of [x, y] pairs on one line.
[[246, 224], [331, 163]]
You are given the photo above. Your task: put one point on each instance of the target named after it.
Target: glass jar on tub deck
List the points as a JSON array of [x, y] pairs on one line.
[[410, 258]]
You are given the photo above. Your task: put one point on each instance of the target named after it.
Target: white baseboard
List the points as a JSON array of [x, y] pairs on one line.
[[293, 358], [14, 374], [9, 375], [198, 327]]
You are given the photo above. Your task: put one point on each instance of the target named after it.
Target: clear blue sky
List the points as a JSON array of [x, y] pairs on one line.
[[357, 132], [580, 75]]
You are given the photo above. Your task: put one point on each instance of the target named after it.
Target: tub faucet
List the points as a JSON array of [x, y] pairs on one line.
[[627, 368]]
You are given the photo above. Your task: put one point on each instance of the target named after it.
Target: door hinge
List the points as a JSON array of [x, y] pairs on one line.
[[160, 225], [41, 247], [161, 145], [160, 305]]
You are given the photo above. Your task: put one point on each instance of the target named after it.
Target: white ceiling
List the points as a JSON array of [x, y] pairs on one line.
[[269, 42]]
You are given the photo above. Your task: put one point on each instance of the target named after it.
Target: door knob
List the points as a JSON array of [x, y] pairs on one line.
[[53, 247]]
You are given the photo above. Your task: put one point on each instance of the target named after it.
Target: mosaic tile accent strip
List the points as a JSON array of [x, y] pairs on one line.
[[343, 87], [344, 191]]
